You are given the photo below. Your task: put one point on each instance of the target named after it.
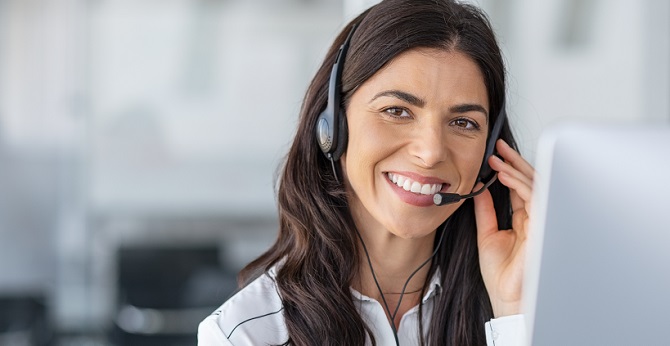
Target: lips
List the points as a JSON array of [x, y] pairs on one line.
[[410, 185]]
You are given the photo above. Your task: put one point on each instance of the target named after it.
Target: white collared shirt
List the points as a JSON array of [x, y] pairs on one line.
[[254, 316]]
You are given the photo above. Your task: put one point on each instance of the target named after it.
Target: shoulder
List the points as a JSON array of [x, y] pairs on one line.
[[252, 316]]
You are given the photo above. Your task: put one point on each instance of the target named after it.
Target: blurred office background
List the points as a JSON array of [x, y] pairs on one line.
[[139, 140]]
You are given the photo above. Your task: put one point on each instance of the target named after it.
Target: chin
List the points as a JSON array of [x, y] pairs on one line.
[[412, 235], [412, 232], [420, 225]]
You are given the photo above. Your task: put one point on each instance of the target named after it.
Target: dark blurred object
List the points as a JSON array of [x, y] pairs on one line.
[[23, 321], [165, 292]]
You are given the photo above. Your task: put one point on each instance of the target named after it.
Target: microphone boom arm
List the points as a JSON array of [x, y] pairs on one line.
[[442, 198]]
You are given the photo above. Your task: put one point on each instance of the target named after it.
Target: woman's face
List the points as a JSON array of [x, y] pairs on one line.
[[417, 126]]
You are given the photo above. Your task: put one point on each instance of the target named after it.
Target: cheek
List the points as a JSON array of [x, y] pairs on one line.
[[364, 153], [363, 148], [469, 163], [356, 162]]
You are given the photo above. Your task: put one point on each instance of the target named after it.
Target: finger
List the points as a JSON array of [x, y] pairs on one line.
[[519, 214], [518, 204], [513, 157], [485, 214], [503, 167], [524, 190]]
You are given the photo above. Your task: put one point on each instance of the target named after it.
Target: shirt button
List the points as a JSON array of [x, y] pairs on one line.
[[495, 335]]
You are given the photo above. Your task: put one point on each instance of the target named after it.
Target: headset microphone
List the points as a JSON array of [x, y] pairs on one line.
[[485, 173], [442, 198]]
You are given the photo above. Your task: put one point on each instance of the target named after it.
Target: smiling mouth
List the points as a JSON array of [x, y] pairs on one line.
[[410, 185]]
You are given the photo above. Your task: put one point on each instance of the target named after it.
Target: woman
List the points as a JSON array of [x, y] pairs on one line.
[[363, 256]]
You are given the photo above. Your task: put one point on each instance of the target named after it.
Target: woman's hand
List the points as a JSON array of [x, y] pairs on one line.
[[502, 253]]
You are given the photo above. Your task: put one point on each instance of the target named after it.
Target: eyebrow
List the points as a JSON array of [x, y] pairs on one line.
[[407, 97], [419, 102], [468, 107]]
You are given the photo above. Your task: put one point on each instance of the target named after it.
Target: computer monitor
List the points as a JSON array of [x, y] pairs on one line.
[[598, 261]]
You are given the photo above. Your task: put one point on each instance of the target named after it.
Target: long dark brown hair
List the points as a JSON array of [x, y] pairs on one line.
[[317, 243]]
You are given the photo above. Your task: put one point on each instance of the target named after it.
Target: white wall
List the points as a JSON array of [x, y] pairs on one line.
[[587, 60]]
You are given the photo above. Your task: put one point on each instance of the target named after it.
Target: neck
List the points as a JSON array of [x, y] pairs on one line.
[[394, 260]]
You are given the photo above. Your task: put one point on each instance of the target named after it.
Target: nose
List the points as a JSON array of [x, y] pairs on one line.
[[429, 145]]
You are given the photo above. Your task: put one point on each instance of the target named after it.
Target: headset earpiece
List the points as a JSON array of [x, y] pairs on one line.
[[485, 173], [342, 136], [326, 125], [331, 126]]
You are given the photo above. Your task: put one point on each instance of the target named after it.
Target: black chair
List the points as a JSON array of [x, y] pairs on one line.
[[163, 293], [23, 321]]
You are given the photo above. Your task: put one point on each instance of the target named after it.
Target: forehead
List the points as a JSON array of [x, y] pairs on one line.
[[436, 75]]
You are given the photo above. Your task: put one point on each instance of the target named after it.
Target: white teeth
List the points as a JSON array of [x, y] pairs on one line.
[[425, 189], [414, 186]]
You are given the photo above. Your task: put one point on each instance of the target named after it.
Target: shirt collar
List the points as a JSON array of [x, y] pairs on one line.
[[434, 288]]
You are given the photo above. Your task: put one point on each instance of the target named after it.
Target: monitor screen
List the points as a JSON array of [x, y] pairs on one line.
[[598, 270]]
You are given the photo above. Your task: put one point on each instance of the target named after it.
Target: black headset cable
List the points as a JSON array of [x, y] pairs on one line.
[[402, 293]]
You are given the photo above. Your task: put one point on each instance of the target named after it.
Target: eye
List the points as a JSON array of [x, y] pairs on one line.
[[397, 112], [465, 124]]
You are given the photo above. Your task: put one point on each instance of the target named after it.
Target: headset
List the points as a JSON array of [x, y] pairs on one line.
[[331, 135], [331, 126], [331, 129]]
